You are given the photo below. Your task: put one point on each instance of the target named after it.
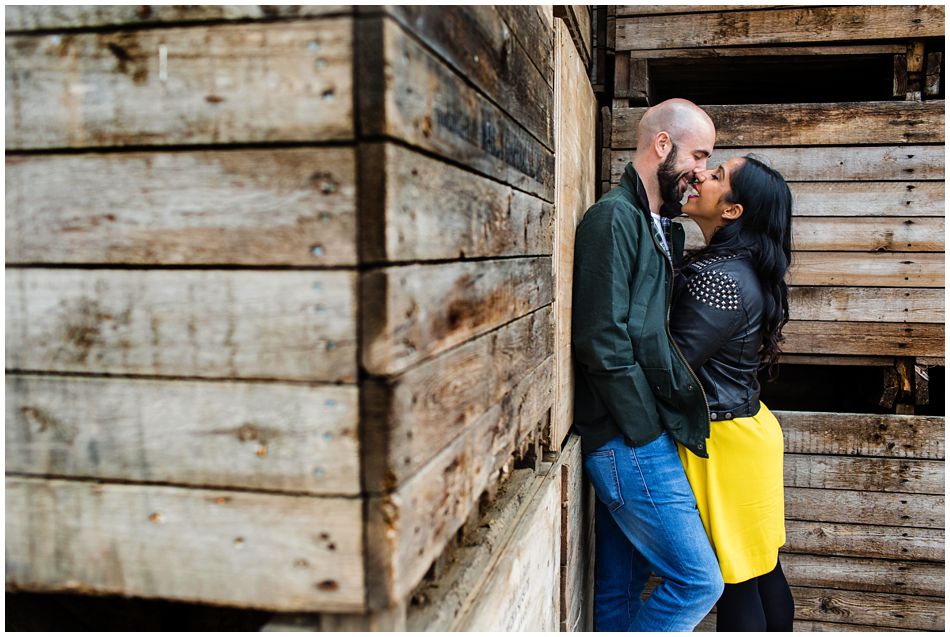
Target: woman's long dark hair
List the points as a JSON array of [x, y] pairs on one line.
[[764, 231]]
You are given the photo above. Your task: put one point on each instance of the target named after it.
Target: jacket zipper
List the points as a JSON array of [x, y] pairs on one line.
[[669, 302]]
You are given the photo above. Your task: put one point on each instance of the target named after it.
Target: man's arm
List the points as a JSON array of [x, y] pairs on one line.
[[604, 257]]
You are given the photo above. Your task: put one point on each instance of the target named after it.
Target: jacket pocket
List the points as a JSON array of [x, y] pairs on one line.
[[661, 381], [602, 468]]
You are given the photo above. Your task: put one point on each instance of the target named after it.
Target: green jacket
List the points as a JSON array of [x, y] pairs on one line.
[[631, 379]]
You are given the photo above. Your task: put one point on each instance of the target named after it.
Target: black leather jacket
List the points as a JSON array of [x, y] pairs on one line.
[[716, 320]]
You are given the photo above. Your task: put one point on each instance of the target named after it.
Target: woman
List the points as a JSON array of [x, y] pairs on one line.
[[730, 304]]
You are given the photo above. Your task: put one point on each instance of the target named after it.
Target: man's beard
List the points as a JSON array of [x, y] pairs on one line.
[[669, 179]]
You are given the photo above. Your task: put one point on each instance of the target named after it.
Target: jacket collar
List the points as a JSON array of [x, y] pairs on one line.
[[631, 182]]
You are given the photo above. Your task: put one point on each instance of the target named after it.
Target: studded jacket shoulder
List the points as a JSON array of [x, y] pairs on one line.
[[716, 321]]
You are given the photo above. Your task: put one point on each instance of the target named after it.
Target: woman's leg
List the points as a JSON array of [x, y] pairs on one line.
[[740, 608], [777, 602]]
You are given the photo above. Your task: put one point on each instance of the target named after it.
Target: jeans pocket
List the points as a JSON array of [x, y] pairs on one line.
[[602, 469]]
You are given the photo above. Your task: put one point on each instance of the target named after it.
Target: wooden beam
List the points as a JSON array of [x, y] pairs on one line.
[[768, 52], [864, 474], [288, 553], [910, 305], [575, 169], [861, 574], [813, 165], [35, 17], [410, 419], [247, 207], [423, 310], [915, 70], [848, 361], [416, 208], [263, 436], [854, 338], [918, 269], [830, 124], [197, 85], [408, 94], [863, 540], [200, 323], [847, 506], [664, 9], [780, 26], [883, 435]]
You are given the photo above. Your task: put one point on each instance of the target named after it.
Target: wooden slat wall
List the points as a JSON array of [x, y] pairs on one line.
[[457, 237], [182, 401], [869, 220]]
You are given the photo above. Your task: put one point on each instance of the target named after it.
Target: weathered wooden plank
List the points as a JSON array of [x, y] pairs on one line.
[[408, 94], [438, 602], [247, 207], [708, 625], [421, 310], [575, 169], [830, 124], [767, 52], [881, 576], [918, 305], [854, 234], [447, 214], [875, 609], [205, 323], [577, 522], [857, 338], [249, 83], [862, 540], [933, 73], [30, 18], [474, 40], [848, 361], [883, 435], [410, 419], [841, 164], [863, 199], [864, 474], [662, 9], [802, 24], [522, 591], [533, 25], [918, 269], [212, 434], [407, 530], [287, 552], [865, 507]]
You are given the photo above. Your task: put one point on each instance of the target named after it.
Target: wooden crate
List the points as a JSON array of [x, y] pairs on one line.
[[866, 176], [280, 282]]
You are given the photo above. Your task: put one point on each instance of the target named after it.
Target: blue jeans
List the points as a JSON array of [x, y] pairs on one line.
[[647, 521]]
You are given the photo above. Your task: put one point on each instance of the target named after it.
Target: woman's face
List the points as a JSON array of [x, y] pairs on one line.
[[707, 201]]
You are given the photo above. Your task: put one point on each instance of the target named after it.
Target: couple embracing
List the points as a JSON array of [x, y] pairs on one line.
[[686, 462]]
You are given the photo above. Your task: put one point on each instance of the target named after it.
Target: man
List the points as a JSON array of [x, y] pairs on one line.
[[635, 393]]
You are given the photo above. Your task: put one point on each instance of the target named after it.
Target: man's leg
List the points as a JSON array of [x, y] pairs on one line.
[[620, 574], [649, 497]]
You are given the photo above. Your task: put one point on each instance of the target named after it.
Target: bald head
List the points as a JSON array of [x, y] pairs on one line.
[[674, 140], [678, 117]]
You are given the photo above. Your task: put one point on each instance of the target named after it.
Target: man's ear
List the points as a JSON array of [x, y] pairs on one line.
[[732, 212], [662, 144]]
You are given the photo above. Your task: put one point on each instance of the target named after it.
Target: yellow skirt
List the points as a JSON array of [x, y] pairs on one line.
[[740, 494]]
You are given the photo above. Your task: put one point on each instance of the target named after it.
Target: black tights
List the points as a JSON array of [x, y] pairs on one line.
[[760, 604]]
